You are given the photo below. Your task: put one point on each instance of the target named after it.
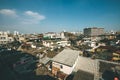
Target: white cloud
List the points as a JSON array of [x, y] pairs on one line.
[[23, 18], [31, 17], [8, 12], [35, 15]]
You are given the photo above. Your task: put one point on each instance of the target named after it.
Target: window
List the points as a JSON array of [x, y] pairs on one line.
[[61, 66]]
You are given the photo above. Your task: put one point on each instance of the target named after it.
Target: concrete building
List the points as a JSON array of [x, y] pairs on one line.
[[5, 38], [93, 31], [62, 36], [64, 43], [54, 35], [50, 35], [65, 61], [16, 33]]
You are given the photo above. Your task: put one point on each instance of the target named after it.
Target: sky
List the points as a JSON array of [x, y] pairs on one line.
[[39, 16]]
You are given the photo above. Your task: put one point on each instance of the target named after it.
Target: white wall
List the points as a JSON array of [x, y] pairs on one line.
[[66, 69]]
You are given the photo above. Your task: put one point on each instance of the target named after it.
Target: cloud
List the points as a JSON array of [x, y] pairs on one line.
[[32, 17], [23, 18], [8, 12], [35, 15]]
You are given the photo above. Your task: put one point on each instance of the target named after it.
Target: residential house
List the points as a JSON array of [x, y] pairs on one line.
[[63, 43], [50, 35], [105, 48], [5, 37], [65, 61], [22, 38], [62, 35], [47, 43]]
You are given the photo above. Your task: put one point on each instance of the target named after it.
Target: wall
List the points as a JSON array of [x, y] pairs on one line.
[[66, 69]]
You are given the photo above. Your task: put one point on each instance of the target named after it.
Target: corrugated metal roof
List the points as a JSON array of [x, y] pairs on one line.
[[67, 57]]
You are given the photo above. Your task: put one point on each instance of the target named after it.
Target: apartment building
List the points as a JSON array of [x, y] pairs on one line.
[[5, 38], [93, 31]]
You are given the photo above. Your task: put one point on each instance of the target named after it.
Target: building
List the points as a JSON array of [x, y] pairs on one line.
[[5, 37], [93, 31], [47, 43], [64, 43], [65, 61], [50, 35], [54, 35], [62, 35], [16, 33]]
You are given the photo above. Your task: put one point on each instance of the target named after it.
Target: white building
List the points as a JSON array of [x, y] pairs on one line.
[[65, 61], [64, 43], [5, 38], [47, 43], [50, 34], [62, 36], [54, 35], [16, 33]]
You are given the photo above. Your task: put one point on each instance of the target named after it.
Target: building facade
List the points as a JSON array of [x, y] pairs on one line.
[[93, 31], [65, 61], [5, 38]]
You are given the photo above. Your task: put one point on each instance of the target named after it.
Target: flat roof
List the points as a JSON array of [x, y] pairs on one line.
[[86, 64], [67, 57]]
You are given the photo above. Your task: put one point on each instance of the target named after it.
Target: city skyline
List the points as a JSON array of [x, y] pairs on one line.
[[29, 16]]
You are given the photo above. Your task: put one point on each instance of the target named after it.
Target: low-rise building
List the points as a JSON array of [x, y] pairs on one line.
[[64, 43], [5, 38], [47, 43], [65, 61]]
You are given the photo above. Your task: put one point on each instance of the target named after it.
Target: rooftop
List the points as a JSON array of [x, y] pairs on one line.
[[67, 57], [86, 64], [81, 75]]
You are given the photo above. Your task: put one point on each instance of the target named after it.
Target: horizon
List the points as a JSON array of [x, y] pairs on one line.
[[40, 16]]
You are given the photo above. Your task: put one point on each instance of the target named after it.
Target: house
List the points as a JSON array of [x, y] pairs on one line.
[[65, 61], [63, 43], [22, 39], [116, 56], [47, 43], [50, 35], [5, 37], [105, 48]]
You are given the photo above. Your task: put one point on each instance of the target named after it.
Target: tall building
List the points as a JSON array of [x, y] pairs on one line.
[[93, 31]]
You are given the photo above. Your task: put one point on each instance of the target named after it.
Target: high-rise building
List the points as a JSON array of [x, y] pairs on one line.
[[93, 31]]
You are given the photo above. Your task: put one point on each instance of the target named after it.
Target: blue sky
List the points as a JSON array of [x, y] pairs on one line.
[[29, 16]]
